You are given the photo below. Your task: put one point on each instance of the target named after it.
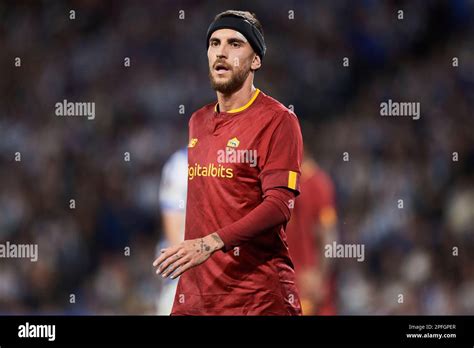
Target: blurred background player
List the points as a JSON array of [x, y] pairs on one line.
[[311, 227], [173, 188]]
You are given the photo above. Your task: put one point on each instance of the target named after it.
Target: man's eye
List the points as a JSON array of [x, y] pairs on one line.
[[214, 43], [235, 45]]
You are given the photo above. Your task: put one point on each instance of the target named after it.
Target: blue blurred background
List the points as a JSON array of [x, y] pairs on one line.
[[81, 250]]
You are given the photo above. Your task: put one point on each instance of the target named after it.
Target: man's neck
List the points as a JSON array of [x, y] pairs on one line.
[[236, 99]]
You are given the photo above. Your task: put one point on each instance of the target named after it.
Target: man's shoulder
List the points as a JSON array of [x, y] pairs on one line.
[[278, 111], [203, 111]]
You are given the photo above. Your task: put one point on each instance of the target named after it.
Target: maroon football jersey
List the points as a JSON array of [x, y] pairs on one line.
[[233, 158]]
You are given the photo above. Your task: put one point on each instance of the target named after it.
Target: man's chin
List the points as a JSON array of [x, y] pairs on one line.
[[225, 88], [223, 85], [228, 84], [221, 80]]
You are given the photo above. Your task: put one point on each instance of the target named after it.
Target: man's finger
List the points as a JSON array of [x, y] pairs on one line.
[[174, 266], [161, 258], [183, 269], [167, 253], [168, 262]]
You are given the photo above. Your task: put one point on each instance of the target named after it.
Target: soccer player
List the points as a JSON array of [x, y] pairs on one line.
[[244, 158], [173, 188], [313, 226]]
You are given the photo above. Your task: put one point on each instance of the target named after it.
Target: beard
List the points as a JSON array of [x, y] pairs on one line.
[[233, 84]]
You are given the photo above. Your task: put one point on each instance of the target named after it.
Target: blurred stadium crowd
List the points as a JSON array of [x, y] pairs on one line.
[[82, 251]]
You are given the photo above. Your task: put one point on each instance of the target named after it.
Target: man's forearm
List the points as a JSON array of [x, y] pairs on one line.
[[273, 211]]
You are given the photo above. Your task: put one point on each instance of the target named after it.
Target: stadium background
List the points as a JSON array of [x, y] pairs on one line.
[[408, 250]]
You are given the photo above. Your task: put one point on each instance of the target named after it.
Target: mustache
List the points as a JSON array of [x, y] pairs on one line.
[[223, 63]]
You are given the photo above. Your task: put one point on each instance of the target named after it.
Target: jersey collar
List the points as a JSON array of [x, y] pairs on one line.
[[242, 108]]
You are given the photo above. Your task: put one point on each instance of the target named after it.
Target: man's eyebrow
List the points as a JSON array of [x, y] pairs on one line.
[[230, 40], [234, 39]]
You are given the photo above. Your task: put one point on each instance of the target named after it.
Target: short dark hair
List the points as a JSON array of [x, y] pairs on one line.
[[250, 16]]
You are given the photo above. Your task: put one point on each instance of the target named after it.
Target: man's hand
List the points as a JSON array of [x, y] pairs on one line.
[[178, 259]]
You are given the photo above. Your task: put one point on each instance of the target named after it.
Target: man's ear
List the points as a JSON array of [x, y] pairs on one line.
[[256, 62]]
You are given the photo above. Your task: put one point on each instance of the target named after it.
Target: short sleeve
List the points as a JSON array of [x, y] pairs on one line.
[[281, 155]]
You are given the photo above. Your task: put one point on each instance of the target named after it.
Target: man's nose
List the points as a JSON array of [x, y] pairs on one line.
[[221, 52]]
